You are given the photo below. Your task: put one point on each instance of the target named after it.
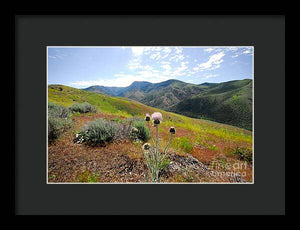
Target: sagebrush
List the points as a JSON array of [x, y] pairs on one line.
[[83, 108], [59, 120], [98, 132], [143, 132]]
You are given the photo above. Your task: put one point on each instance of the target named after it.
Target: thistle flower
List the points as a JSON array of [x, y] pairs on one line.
[[172, 130], [147, 118], [146, 146], [156, 117]]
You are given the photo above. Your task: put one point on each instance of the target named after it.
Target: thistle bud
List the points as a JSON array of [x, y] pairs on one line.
[[146, 146], [172, 130], [156, 122], [147, 118], [134, 130]]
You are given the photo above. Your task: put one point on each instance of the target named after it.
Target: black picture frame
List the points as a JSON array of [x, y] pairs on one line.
[[32, 33]]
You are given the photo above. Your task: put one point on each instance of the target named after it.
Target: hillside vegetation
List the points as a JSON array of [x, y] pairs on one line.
[[228, 102], [198, 143]]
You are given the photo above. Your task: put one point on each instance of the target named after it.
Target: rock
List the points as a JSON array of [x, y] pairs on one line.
[[190, 163]]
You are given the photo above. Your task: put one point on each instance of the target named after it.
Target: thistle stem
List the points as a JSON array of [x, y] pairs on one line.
[[151, 137], [166, 148], [157, 153]]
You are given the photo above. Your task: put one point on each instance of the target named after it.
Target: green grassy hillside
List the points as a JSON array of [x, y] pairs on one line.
[[229, 103], [171, 94], [66, 96], [160, 95]]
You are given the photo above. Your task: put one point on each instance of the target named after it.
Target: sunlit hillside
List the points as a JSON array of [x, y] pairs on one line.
[[199, 147]]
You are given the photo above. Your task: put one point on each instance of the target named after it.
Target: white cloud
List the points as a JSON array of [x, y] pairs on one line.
[[57, 56], [141, 73], [177, 57], [232, 48], [155, 56], [148, 50], [167, 50], [238, 51], [179, 71], [213, 63], [157, 53], [208, 50], [178, 50], [206, 76], [137, 51], [119, 80], [164, 53], [167, 67], [135, 63]]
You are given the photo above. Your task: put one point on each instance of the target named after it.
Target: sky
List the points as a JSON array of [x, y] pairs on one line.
[[81, 67]]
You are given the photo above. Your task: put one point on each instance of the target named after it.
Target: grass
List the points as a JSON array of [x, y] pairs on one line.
[[88, 177], [182, 144], [219, 141], [241, 153], [111, 105]]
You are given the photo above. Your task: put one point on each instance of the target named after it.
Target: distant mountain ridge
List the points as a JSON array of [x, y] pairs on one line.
[[121, 91], [160, 95], [228, 102]]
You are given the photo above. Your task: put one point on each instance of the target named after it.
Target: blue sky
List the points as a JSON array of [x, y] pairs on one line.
[[81, 67]]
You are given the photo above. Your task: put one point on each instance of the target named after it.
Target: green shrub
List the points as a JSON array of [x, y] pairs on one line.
[[83, 108], [182, 143], [58, 111], [142, 130], [242, 153], [97, 132], [59, 120]]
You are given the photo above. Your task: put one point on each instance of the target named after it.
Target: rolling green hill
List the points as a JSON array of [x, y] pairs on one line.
[[66, 96], [229, 103], [123, 107], [165, 94], [160, 95]]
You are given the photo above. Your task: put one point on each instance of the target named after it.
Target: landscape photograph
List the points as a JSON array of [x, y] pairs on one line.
[[150, 114]]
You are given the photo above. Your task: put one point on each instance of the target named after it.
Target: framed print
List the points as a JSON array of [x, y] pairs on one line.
[[201, 105], [134, 112]]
